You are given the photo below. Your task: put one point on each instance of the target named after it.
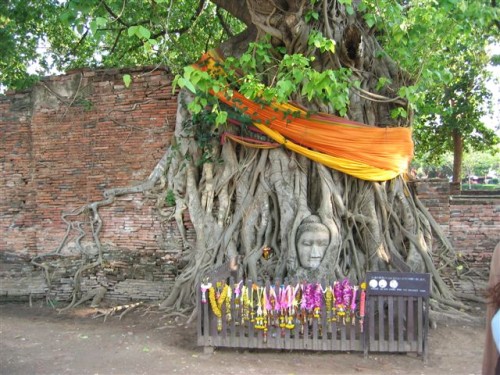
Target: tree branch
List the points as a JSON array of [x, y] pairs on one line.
[[237, 8], [223, 23], [116, 18], [116, 40], [180, 30]]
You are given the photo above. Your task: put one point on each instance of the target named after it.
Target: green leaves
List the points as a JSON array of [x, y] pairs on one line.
[[183, 82], [201, 83], [127, 79], [193, 79], [221, 118], [97, 23], [311, 15], [317, 40], [399, 112], [88, 33], [382, 82], [331, 87], [139, 31]]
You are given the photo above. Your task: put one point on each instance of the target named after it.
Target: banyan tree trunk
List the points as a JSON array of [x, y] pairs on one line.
[[249, 200], [245, 200], [260, 208]]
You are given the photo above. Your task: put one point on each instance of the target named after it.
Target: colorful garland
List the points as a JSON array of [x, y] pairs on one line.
[[217, 301], [286, 306]]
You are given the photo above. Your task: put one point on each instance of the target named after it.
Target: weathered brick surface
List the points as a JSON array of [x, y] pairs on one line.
[[471, 221], [435, 194], [472, 224], [475, 228], [71, 137], [62, 144]]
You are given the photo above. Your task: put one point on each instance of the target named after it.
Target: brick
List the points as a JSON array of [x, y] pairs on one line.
[[56, 159]]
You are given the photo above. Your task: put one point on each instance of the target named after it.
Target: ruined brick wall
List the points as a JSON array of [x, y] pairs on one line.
[[62, 144], [471, 223], [435, 195], [71, 137], [475, 228]]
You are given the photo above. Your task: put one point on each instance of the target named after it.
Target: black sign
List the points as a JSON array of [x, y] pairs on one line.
[[398, 284]]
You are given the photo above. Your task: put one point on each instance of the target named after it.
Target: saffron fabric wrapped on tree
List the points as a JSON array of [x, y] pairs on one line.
[[366, 152]]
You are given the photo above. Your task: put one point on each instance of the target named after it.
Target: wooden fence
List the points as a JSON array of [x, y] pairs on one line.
[[391, 319], [397, 312]]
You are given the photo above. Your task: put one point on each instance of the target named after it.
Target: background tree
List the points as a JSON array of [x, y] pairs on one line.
[[23, 37], [479, 163], [452, 119], [444, 46], [362, 60], [111, 33]]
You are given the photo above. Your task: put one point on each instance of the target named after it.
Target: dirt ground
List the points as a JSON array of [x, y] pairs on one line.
[[38, 340]]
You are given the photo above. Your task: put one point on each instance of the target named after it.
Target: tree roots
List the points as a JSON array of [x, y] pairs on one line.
[[241, 200]]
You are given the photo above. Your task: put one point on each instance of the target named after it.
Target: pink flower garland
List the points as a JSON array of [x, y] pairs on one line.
[[309, 295], [318, 296], [346, 293], [338, 294]]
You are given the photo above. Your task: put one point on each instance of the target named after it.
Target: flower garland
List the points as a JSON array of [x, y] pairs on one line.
[[204, 287], [237, 294], [245, 309], [339, 299], [228, 303], [328, 304], [286, 306], [362, 300], [346, 299], [217, 304], [317, 300]]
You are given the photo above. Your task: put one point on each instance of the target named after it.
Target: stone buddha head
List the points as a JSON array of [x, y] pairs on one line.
[[312, 240]]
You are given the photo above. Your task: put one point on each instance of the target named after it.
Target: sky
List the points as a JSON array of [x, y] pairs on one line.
[[493, 121]]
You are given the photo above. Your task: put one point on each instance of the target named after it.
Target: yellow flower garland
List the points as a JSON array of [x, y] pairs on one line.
[[216, 305]]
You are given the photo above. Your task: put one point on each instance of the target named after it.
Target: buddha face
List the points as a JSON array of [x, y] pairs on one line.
[[313, 240]]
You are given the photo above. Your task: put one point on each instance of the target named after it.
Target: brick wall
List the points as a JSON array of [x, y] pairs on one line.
[[435, 195], [475, 228], [71, 137], [472, 223], [61, 145]]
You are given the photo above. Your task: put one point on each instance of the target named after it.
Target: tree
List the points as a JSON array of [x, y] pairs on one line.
[[480, 163], [450, 95], [77, 33], [328, 57], [452, 120], [20, 36], [474, 163]]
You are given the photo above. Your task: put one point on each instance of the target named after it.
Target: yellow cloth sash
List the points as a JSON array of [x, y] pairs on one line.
[[366, 152]]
